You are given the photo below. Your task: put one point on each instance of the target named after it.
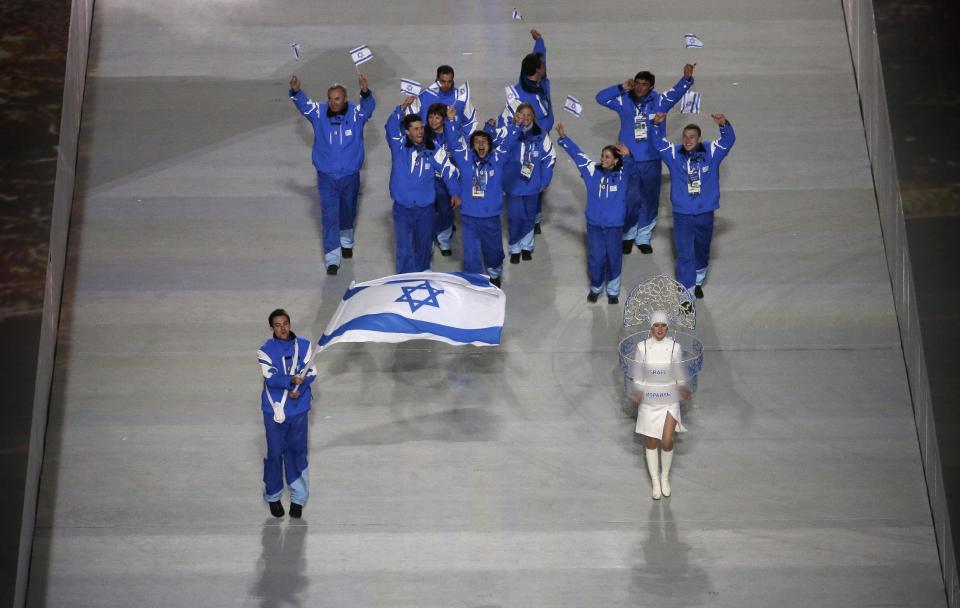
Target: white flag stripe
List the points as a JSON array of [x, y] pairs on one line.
[[361, 54], [456, 308]]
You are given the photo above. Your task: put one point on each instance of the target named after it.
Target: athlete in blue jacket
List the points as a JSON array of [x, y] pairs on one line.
[[481, 184], [636, 103], [337, 155], [445, 91], [527, 173], [606, 184], [415, 163], [533, 87], [443, 217], [285, 401], [694, 193]]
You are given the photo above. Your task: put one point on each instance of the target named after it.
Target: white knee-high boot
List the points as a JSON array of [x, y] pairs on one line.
[[653, 466], [666, 459]]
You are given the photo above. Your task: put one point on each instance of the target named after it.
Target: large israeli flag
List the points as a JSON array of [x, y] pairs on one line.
[[455, 307]]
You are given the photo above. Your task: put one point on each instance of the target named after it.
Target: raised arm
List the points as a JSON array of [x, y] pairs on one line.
[[508, 139], [449, 174], [367, 103], [721, 147], [547, 161], [456, 142], [394, 128], [583, 162], [305, 105], [612, 97], [664, 147], [468, 113], [539, 46], [669, 98]]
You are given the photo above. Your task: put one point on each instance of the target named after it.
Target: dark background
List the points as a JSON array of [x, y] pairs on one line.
[[918, 47], [33, 43], [918, 41]]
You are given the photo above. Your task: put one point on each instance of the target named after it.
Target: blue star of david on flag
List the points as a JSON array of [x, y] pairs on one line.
[[472, 313], [429, 300]]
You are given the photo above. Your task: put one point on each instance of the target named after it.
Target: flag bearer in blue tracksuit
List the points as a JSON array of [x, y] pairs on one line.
[[415, 164], [606, 184], [527, 173], [337, 155], [481, 184], [445, 91], [636, 103], [288, 372], [443, 218], [533, 87], [694, 193]]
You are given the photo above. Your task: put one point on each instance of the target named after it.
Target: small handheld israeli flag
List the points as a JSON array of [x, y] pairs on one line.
[[573, 105], [517, 16], [690, 104], [463, 92], [410, 87], [296, 50], [361, 54], [691, 41]]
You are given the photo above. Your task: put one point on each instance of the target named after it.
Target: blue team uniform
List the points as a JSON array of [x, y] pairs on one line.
[[605, 212], [443, 217], [338, 153], [481, 188], [412, 188], [280, 360], [537, 94], [636, 121], [695, 195], [527, 172]]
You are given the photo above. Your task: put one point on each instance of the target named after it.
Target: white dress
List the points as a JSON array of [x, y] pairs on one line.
[[655, 374]]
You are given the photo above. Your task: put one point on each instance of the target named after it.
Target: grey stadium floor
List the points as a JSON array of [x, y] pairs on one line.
[[446, 476]]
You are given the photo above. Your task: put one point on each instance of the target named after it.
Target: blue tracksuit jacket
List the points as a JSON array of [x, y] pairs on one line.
[[533, 149], [631, 108], [524, 92], [415, 167], [457, 96], [702, 164], [606, 190], [278, 365], [337, 139], [483, 174]]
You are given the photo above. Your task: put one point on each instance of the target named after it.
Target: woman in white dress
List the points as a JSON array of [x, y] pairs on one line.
[[658, 387]]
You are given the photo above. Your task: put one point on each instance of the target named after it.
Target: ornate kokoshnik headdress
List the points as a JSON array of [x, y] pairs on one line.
[[660, 293]]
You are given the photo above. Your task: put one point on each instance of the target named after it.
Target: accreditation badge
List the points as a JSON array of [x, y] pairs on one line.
[[693, 186], [639, 128], [526, 170]]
